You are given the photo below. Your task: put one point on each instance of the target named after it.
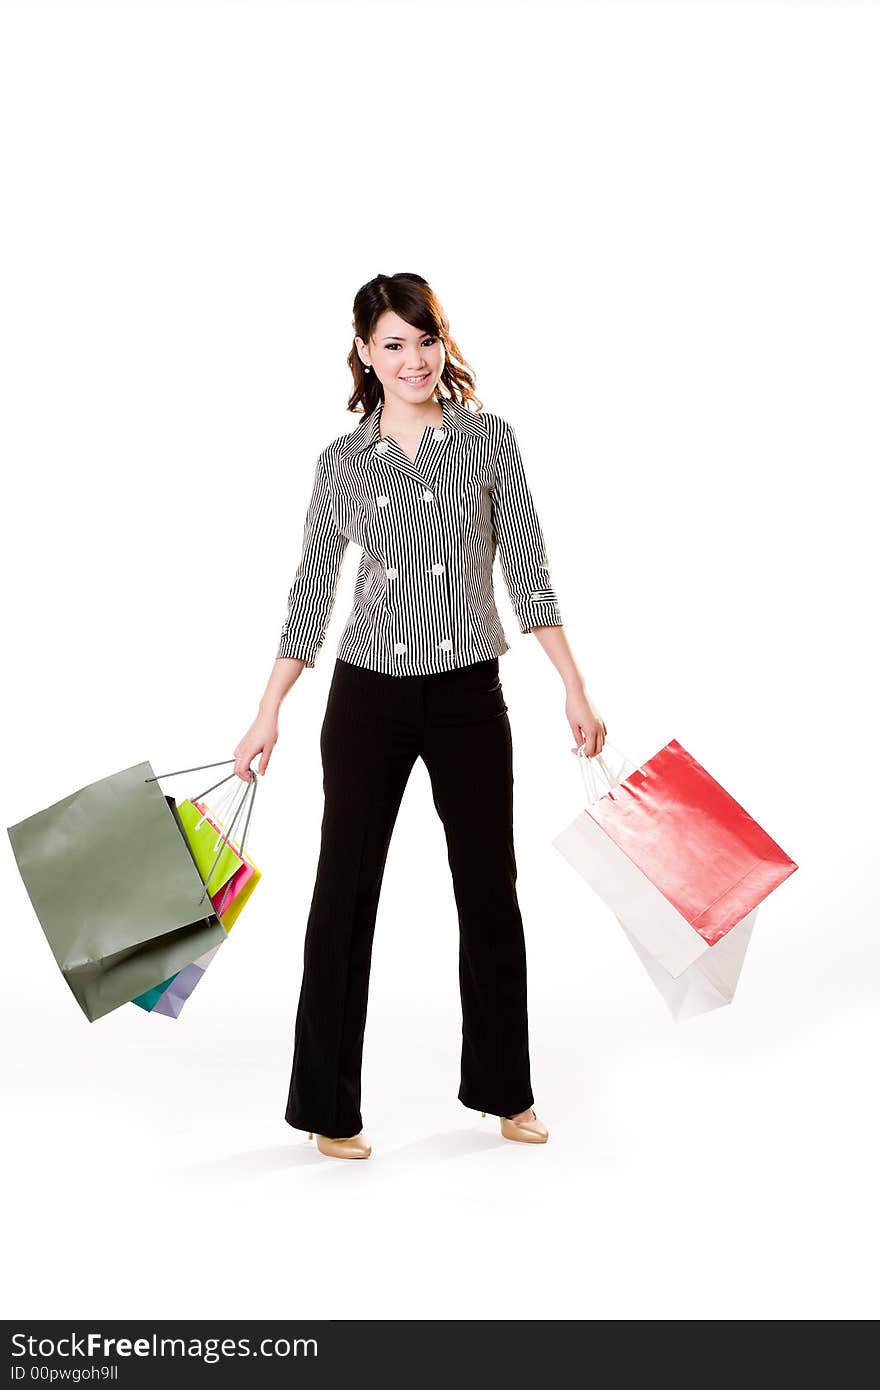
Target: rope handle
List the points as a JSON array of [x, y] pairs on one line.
[[588, 774], [250, 788], [217, 814]]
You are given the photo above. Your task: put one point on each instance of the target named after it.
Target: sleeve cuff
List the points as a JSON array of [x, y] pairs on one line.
[[294, 647], [538, 612]]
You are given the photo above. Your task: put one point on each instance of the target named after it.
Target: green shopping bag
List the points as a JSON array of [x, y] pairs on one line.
[[115, 887], [233, 877]]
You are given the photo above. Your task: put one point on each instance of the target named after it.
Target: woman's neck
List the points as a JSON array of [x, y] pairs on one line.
[[414, 419]]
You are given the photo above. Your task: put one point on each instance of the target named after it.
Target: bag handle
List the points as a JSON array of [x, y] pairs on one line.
[[249, 790], [225, 800], [219, 812], [250, 787], [201, 767], [213, 816], [588, 775]]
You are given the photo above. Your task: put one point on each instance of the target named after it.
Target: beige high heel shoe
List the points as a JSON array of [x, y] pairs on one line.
[[354, 1147], [532, 1131]]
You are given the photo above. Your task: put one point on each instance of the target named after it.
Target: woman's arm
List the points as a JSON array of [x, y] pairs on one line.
[[313, 592], [309, 606], [520, 540], [523, 553], [585, 721], [262, 735]]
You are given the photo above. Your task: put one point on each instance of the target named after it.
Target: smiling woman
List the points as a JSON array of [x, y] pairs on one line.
[[430, 490]]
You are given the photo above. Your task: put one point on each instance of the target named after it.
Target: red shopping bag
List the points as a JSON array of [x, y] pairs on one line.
[[695, 843], [682, 866]]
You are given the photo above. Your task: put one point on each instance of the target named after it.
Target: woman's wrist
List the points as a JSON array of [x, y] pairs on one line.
[[285, 673], [573, 682]]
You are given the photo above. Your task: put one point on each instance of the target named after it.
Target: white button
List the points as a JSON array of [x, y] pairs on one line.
[[392, 574], [534, 596], [381, 446], [382, 501], [437, 569], [427, 496], [439, 434], [400, 647], [446, 644]]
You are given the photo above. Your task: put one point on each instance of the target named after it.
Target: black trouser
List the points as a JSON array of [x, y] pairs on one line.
[[375, 727]]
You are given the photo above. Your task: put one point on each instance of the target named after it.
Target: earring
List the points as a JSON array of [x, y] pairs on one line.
[[368, 368]]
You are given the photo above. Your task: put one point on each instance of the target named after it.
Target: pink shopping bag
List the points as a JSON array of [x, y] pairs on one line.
[[226, 896]]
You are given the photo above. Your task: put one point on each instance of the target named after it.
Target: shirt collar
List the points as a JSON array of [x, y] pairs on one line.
[[455, 417]]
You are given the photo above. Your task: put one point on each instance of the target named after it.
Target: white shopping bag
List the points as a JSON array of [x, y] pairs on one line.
[[707, 984], [695, 960]]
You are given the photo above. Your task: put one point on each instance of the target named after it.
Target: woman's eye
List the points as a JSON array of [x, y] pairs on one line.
[[430, 341]]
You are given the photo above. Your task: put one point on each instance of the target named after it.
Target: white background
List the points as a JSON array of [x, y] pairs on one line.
[[655, 230]]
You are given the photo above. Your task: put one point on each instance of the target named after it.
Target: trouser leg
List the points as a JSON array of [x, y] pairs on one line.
[[469, 754], [368, 747]]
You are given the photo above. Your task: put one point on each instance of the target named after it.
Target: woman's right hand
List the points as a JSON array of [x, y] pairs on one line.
[[261, 737]]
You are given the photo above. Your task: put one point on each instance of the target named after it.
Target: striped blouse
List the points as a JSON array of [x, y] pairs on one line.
[[428, 530]]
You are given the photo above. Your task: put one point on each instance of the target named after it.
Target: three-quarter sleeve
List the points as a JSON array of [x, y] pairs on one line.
[[313, 591], [520, 541]]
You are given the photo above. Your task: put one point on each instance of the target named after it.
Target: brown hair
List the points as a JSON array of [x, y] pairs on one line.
[[410, 296]]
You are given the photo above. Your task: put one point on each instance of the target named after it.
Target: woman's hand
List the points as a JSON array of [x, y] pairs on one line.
[[586, 723], [261, 737]]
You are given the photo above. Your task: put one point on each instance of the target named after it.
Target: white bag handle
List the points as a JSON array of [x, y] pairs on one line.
[[219, 812], [588, 774]]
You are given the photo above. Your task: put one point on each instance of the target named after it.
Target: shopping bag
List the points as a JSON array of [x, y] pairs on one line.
[[682, 866], [170, 996], [115, 888], [238, 888], [206, 834], [710, 982]]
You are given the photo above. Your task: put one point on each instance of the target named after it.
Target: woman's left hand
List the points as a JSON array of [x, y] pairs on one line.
[[585, 721]]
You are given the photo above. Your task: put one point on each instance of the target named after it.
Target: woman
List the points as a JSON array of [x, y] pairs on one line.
[[428, 489]]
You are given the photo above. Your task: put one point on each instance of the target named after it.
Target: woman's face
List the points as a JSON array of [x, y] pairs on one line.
[[407, 362]]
